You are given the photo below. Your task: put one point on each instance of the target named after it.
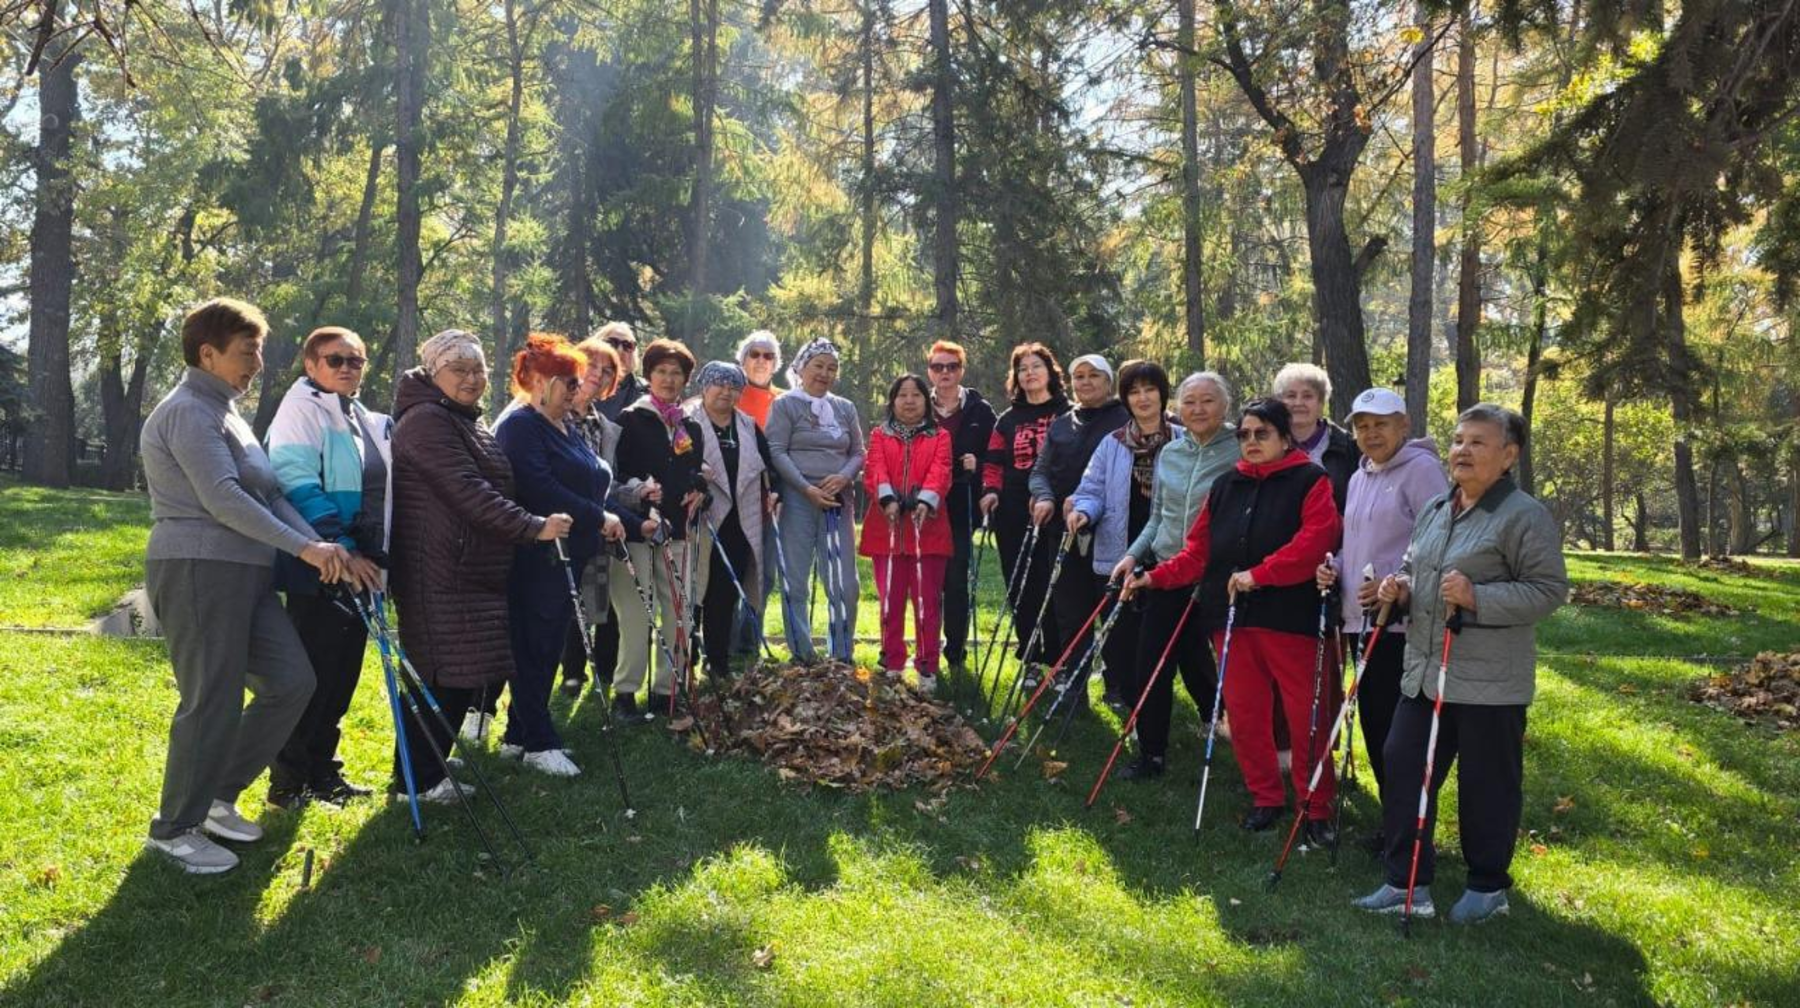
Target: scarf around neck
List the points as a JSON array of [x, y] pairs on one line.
[[822, 413], [672, 417]]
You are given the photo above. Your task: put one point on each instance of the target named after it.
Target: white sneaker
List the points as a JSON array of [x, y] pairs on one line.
[[194, 853], [224, 822], [510, 751], [444, 791], [1285, 760], [927, 684], [555, 762], [475, 726]]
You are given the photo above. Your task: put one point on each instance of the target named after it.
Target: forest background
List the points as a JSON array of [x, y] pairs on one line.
[[1584, 210]]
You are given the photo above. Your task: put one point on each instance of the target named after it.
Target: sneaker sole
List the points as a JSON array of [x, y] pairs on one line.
[[227, 833], [1484, 918], [188, 867], [1424, 911]]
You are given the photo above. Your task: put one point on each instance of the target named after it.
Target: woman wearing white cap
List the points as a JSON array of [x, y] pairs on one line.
[[1395, 481], [1067, 449]]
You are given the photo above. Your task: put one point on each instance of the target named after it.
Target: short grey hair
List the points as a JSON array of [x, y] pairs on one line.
[[1199, 377], [1300, 371], [1510, 422], [760, 338]]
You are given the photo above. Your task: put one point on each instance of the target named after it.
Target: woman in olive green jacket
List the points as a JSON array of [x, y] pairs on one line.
[[1492, 552]]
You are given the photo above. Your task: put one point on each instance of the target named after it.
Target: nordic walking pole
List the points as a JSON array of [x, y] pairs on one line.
[[834, 582], [1004, 619], [1339, 724], [1011, 729], [1016, 691], [406, 768], [684, 640], [1212, 729], [1348, 771], [788, 609], [1149, 684], [416, 684], [918, 523], [656, 630], [1452, 625], [976, 555], [587, 639], [737, 584], [1074, 684]]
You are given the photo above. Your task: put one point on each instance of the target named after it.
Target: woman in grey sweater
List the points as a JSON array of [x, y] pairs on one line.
[[1490, 553], [816, 444], [218, 517]]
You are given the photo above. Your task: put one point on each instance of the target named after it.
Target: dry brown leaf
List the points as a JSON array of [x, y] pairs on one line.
[[1767, 690], [628, 918], [1659, 599], [682, 723], [1054, 769], [763, 957], [372, 954], [1121, 816], [1563, 804]]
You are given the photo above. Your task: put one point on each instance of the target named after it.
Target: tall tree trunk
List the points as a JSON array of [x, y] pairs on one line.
[[1681, 408], [1337, 288], [50, 441], [412, 40], [944, 248], [865, 272], [1640, 526], [121, 397], [498, 322], [1739, 512], [703, 26], [359, 244], [1192, 256], [1608, 472], [1424, 227], [1793, 535], [1468, 281]]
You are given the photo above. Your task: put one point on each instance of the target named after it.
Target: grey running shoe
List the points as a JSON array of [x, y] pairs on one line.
[[1392, 900], [1475, 907], [193, 852], [444, 791], [224, 822]]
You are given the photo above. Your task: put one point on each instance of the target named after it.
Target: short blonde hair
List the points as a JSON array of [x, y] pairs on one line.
[[1300, 371]]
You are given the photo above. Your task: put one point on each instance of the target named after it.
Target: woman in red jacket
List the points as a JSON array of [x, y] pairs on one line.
[[906, 533], [1265, 526]]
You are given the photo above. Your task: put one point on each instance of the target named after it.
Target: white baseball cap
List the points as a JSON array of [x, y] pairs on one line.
[[1094, 361], [1378, 402]]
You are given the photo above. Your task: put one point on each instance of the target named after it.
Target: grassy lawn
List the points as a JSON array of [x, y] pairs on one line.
[[1660, 865]]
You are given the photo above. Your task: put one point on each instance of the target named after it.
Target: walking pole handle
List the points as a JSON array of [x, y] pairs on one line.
[[561, 553]]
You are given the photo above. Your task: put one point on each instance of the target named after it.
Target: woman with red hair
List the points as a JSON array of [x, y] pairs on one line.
[[557, 472]]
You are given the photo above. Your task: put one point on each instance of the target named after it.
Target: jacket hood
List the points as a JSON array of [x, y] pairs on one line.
[[1294, 458], [1413, 452], [416, 389]]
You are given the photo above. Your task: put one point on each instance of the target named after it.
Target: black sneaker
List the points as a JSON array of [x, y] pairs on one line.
[[1320, 834], [288, 797], [1262, 817], [659, 706], [337, 791], [1143, 768], [625, 709], [1114, 700]]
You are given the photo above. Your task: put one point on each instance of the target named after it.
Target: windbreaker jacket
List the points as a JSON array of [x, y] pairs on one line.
[[1510, 548], [1104, 496], [1068, 446], [911, 471], [1185, 472], [316, 446]]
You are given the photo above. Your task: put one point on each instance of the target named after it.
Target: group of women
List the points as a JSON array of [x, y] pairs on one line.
[[1240, 552]]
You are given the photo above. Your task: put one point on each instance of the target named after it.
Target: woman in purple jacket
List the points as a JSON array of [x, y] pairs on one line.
[[1391, 485]]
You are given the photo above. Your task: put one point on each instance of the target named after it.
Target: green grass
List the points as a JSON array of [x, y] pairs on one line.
[[66, 556], [1670, 878]]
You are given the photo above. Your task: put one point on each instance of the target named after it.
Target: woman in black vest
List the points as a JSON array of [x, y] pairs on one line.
[[1263, 524]]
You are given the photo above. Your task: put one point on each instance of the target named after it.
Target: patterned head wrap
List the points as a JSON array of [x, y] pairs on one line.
[[806, 354], [450, 346], [721, 373]]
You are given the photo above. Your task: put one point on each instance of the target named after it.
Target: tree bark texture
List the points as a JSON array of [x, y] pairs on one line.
[[1681, 408], [703, 26], [499, 328], [944, 248], [1468, 281], [1192, 254], [1424, 229], [412, 35], [50, 439]]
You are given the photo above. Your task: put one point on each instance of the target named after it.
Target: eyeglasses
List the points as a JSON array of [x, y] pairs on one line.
[[759, 355], [1256, 434], [944, 367], [336, 361], [622, 344], [465, 372]]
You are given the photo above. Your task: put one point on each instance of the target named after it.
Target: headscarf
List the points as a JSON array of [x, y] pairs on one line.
[[724, 373], [447, 347], [822, 413]]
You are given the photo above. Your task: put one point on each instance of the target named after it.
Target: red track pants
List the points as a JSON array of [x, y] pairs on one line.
[[1261, 659], [929, 616]]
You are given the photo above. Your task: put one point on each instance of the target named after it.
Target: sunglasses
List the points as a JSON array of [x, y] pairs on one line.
[[619, 344], [939, 367], [1259, 434], [336, 361]]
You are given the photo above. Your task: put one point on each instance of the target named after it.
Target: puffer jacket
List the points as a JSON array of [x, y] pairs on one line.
[[911, 471], [455, 526], [1509, 546]]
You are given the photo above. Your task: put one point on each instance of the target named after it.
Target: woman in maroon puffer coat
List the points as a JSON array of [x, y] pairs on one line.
[[455, 526]]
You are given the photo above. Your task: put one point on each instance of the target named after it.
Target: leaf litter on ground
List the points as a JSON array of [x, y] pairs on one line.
[[1767, 690], [834, 725], [1639, 597]]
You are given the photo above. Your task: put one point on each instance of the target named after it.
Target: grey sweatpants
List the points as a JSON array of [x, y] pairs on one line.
[[805, 548], [225, 629]]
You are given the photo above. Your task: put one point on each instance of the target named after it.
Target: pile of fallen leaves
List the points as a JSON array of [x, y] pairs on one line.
[[837, 726], [1725, 564], [1659, 599], [1766, 690]]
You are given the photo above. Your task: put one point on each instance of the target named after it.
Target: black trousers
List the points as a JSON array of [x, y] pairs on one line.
[[719, 608], [1375, 701], [957, 609], [1191, 655], [334, 641], [1072, 599], [426, 769], [1487, 746], [1011, 524]]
